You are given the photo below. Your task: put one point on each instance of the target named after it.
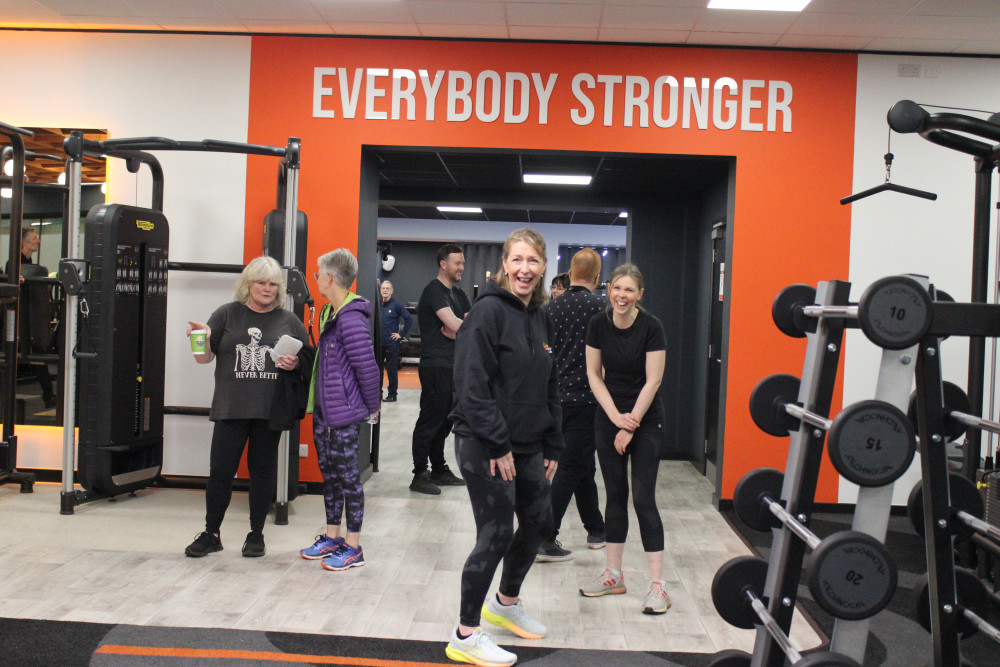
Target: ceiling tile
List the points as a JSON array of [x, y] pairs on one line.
[[732, 38], [979, 47], [114, 22], [380, 29], [364, 11], [861, 6], [286, 27], [295, 10], [553, 33], [912, 45], [464, 31], [646, 17], [733, 20], [207, 24], [835, 42], [977, 8], [939, 27], [643, 36], [538, 13], [857, 25], [110, 8], [180, 8], [456, 13]]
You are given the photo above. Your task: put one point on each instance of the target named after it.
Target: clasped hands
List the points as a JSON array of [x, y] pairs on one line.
[[627, 423], [505, 466]]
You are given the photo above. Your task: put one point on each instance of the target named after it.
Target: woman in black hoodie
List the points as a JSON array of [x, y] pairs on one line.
[[507, 442]]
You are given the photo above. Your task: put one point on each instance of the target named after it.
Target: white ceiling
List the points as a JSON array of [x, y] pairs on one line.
[[913, 26]]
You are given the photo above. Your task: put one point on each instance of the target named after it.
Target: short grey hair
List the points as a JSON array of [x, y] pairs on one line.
[[341, 265], [261, 268]]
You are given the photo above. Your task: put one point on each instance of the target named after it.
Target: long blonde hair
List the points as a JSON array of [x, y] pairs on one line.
[[537, 243]]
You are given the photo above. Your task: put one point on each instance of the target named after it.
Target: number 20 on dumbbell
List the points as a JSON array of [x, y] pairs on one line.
[[850, 574]]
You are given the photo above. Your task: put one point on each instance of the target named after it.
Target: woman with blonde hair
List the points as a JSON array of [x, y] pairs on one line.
[[626, 354], [507, 443], [240, 335]]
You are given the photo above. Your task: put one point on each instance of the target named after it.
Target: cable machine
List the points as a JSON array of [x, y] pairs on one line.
[[10, 301], [125, 277]]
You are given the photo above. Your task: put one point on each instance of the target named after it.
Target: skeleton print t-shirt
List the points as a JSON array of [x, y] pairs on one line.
[[245, 374]]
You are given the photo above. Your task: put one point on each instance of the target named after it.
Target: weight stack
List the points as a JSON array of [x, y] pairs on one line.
[[121, 383], [989, 485]]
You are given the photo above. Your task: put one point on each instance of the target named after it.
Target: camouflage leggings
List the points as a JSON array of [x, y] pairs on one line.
[[337, 452], [494, 505]]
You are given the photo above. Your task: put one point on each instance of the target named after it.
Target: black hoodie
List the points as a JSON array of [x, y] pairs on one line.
[[506, 383]]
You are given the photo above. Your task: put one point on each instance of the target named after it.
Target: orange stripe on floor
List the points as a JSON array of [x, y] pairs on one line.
[[168, 652]]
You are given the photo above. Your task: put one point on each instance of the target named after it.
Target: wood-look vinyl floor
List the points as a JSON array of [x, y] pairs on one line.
[[123, 562]]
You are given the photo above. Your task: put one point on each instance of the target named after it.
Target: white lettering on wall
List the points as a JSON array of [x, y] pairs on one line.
[[489, 96]]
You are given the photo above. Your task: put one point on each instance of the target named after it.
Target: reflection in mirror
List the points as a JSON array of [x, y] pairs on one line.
[[40, 365]]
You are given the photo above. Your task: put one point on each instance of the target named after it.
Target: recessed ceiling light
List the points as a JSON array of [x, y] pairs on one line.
[[557, 179], [459, 209], [760, 5], [623, 214]]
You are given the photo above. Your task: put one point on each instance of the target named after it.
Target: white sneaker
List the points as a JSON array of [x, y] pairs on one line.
[[512, 617], [478, 649]]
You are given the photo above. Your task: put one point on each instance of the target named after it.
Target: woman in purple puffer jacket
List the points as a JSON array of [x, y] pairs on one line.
[[346, 389]]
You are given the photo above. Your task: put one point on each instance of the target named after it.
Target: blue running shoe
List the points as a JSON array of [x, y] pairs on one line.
[[344, 558], [322, 547]]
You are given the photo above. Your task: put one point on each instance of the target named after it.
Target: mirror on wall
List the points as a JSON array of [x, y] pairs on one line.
[[40, 365]]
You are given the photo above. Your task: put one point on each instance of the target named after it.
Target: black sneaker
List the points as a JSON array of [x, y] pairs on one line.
[[553, 552], [446, 478], [204, 544], [595, 541], [422, 484], [389, 399], [253, 547]]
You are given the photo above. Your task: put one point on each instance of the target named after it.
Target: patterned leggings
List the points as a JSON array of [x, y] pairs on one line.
[[337, 451]]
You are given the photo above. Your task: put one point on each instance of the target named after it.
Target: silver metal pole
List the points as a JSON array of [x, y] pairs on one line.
[[291, 218], [73, 181]]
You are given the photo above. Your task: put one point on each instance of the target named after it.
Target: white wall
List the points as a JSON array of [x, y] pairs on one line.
[[176, 86], [893, 233]]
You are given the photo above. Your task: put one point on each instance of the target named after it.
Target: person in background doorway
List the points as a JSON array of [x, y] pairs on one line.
[[345, 392], [560, 283], [626, 353], [570, 315], [240, 333], [392, 312], [440, 310], [507, 443]]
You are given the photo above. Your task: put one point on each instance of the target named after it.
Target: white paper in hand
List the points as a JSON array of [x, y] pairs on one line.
[[285, 345]]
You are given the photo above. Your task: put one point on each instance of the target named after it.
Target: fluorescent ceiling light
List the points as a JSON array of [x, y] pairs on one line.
[[459, 209], [623, 214], [6, 193], [760, 5], [557, 179]]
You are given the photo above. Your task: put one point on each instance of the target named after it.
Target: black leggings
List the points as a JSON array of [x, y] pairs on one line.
[[644, 450], [228, 440], [494, 504]]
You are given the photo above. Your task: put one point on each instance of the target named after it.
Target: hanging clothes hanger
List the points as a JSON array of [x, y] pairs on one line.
[[888, 186]]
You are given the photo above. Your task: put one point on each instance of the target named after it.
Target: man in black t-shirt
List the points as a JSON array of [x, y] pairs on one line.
[[440, 311]]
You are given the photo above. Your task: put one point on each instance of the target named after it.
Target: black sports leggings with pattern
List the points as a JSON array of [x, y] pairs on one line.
[[495, 502], [337, 454]]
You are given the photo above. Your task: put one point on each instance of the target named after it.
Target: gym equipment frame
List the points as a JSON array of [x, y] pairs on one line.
[[73, 272], [10, 300]]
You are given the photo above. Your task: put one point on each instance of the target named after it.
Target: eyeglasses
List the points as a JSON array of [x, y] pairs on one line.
[[316, 276]]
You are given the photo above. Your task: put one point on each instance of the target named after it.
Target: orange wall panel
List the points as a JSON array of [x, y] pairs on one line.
[[788, 226]]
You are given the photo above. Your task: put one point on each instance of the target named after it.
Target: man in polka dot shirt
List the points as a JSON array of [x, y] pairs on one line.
[[570, 314]]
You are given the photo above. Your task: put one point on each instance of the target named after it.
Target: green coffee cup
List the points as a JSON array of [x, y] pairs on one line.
[[198, 338]]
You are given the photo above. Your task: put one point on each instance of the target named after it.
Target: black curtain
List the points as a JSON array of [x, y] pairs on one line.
[[479, 258]]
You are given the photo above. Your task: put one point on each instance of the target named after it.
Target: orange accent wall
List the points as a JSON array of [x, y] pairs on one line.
[[788, 226]]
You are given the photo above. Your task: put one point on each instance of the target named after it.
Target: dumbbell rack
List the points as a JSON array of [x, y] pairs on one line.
[[805, 454], [979, 320], [806, 451]]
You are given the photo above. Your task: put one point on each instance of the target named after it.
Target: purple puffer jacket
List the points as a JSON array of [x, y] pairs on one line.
[[346, 381]]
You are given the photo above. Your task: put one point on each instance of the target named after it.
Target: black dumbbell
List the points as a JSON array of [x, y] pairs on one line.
[[871, 443], [894, 312], [735, 594], [973, 604], [850, 574], [967, 509], [957, 413]]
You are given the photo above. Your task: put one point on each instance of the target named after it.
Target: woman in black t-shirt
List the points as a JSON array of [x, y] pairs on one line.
[[626, 353]]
